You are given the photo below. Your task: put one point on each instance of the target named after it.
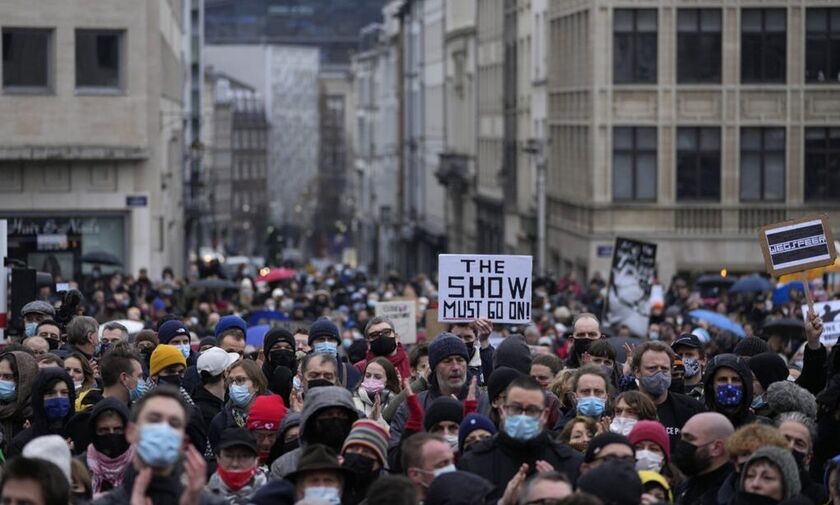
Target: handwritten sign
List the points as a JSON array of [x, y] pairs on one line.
[[474, 286], [798, 245], [829, 312], [403, 313]]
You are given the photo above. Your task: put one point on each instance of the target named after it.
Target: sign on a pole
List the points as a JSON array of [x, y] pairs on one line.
[[472, 286], [797, 245], [631, 278], [403, 313], [829, 312]]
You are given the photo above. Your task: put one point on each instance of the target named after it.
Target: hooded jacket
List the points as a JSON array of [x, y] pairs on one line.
[[40, 425], [16, 412], [316, 400], [741, 414]]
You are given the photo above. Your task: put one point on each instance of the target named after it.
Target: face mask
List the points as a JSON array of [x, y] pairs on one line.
[[57, 408], [441, 471], [361, 466], [54, 344], [648, 460], [654, 335], [758, 402], [30, 329], [685, 456], [111, 444], [185, 349], [139, 390], [77, 385], [373, 386], [160, 444], [240, 395], [453, 442], [326, 348], [729, 395], [522, 427], [692, 367], [347, 342], [383, 346], [325, 494], [285, 358], [290, 446], [236, 480], [656, 384], [172, 380], [591, 406], [8, 390], [332, 432], [800, 459], [623, 425], [582, 345]]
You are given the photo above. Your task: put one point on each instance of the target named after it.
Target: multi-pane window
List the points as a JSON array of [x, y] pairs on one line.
[[634, 46], [822, 45], [698, 164], [26, 59], [822, 164], [763, 45], [698, 45], [98, 59], [634, 164], [762, 164]]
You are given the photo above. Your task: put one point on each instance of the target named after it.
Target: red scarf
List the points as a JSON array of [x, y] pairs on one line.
[[104, 469]]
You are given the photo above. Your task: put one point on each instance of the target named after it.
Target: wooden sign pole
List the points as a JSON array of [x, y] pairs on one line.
[[804, 277]]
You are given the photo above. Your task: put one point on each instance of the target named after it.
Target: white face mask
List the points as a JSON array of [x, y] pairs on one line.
[[453, 442], [648, 460], [623, 425], [447, 469]]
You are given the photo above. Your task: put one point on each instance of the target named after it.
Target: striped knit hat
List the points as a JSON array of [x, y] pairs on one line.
[[368, 434]]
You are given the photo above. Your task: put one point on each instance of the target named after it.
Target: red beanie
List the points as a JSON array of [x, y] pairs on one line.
[[651, 431], [267, 412]]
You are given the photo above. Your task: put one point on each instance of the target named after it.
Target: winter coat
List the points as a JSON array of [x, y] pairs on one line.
[[417, 386], [740, 415], [208, 404], [675, 412], [813, 376], [364, 403], [40, 426], [316, 400], [161, 490], [703, 489], [217, 488], [498, 458], [399, 360], [223, 420], [15, 413], [827, 444]]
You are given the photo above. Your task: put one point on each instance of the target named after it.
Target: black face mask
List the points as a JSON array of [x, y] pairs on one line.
[[470, 349], [318, 383], [285, 358], [290, 446], [800, 460], [54, 344], [745, 498], [688, 459], [332, 432], [361, 466], [111, 445], [383, 346], [171, 380], [582, 345]]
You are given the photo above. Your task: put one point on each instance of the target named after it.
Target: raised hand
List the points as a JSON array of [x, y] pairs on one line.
[[813, 330], [471, 392], [483, 328], [376, 413], [512, 489], [196, 469], [138, 490]]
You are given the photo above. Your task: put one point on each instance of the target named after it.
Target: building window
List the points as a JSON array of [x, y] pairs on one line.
[[26, 59], [634, 164], [822, 45], [698, 45], [634, 46], [762, 164], [822, 164], [98, 59], [698, 164], [763, 45]]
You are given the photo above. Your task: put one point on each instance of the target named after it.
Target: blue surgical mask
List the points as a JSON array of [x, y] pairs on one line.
[[347, 342], [522, 427], [729, 395], [758, 402], [185, 349], [325, 494], [30, 329], [591, 406], [160, 444], [139, 390], [240, 395], [326, 347], [57, 408], [8, 390]]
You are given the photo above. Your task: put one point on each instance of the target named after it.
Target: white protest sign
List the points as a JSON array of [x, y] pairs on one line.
[[403, 313], [472, 286], [829, 312]]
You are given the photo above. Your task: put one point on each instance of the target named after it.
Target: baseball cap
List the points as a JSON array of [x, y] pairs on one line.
[[237, 437], [215, 360], [688, 340]]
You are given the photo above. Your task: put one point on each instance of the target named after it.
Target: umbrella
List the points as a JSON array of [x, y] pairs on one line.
[[781, 295], [101, 258], [751, 284], [214, 284], [714, 281], [255, 335], [132, 326], [277, 275], [718, 320], [785, 328], [260, 316]]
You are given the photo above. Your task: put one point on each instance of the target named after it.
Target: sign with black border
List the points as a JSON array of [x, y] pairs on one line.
[[797, 245]]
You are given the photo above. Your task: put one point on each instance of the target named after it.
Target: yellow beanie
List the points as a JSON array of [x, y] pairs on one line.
[[164, 356]]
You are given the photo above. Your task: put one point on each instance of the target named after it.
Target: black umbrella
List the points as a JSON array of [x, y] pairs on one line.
[[717, 281], [214, 284], [785, 328], [101, 258]]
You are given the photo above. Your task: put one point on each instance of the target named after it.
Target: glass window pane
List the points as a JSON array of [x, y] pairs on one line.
[[710, 20], [25, 58], [709, 139], [646, 177], [834, 138], [646, 58], [834, 25], [775, 20], [97, 59], [750, 177], [774, 177], [774, 139], [623, 59], [687, 20], [646, 139], [623, 20], [750, 139], [751, 20], [622, 138], [646, 20], [817, 20], [710, 177], [623, 176], [686, 139]]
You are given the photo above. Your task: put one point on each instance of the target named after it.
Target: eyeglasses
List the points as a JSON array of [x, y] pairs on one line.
[[518, 410], [376, 335]]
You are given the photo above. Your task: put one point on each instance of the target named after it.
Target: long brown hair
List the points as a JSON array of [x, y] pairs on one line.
[[392, 380]]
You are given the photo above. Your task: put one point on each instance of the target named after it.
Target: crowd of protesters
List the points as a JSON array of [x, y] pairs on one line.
[[126, 390]]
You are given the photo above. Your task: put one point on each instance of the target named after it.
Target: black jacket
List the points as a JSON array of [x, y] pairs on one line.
[[703, 489], [813, 376], [675, 412], [208, 404], [497, 459], [39, 425], [161, 491], [740, 415]]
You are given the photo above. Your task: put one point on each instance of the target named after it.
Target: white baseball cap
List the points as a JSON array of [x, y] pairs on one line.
[[215, 360]]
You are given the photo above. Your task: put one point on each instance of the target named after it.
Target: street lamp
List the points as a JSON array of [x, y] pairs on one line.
[[535, 148]]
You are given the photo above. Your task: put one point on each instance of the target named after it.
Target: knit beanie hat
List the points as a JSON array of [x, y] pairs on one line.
[[603, 440], [750, 346], [164, 356], [275, 335], [514, 353], [443, 409], [368, 434], [768, 367], [443, 346], [613, 482], [651, 431], [471, 423], [267, 412], [50, 448], [323, 327], [783, 460], [171, 329], [499, 381], [228, 322], [211, 341]]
